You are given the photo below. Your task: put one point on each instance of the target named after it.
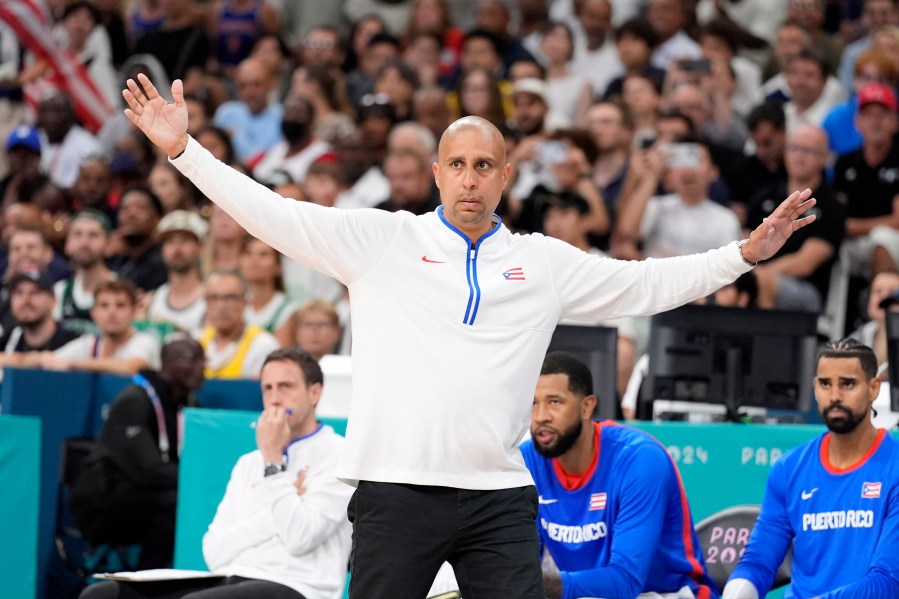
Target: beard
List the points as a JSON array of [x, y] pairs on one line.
[[841, 420], [136, 239], [32, 322], [564, 442], [85, 261]]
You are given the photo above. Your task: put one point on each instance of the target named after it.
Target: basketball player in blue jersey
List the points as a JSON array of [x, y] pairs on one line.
[[835, 498], [612, 513]]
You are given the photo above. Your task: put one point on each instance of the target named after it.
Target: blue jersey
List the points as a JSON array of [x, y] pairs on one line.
[[843, 523], [627, 529]]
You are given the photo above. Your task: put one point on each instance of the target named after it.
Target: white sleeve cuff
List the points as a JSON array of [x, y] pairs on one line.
[[739, 588]]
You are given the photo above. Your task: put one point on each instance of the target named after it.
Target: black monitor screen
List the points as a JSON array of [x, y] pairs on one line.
[[731, 356], [596, 347], [892, 321]]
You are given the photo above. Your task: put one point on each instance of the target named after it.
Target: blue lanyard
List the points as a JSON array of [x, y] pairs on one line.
[[160, 415]]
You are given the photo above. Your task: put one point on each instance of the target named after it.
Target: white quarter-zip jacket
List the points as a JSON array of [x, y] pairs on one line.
[[449, 335]]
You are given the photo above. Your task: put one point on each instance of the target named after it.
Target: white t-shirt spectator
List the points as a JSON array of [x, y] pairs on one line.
[[140, 345], [672, 228]]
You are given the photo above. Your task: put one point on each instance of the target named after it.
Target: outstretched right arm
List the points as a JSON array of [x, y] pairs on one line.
[[343, 244]]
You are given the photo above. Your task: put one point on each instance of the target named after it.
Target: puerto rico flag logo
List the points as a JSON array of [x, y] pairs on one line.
[[597, 501], [871, 490], [514, 274]]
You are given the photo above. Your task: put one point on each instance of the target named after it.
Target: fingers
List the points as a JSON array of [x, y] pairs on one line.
[[133, 118], [151, 90], [178, 92], [794, 199], [802, 222], [803, 207], [136, 92]]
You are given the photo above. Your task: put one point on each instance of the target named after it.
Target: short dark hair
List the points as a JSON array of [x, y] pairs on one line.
[[640, 29], [850, 348], [488, 35], [223, 136], [815, 57], [382, 37], [123, 286], [723, 30], [674, 113], [312, 372], [748, 283], [768, 112], [627, 117], [580, 381], [279, 41], [154, 200], [81, 5]]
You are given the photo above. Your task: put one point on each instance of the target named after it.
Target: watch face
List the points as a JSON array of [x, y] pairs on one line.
[[271, 469]]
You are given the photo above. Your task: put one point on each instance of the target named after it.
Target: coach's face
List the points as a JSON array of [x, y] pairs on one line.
[[471, 173], [558, 415]]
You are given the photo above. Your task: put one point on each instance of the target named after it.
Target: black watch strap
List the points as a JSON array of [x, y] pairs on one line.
[[272, 468]]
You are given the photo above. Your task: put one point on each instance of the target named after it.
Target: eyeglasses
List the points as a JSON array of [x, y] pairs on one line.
[[799, 149], [375, 100], [314, 44], [229, 298], [871, 77]]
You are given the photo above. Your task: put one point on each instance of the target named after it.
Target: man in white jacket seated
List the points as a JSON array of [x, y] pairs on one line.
[[281, 530]]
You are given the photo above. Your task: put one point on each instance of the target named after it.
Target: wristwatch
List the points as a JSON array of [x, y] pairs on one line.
[[274, 468], [740, 245]]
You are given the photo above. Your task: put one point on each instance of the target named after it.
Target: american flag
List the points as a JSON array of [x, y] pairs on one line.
[[514, 274], [30, 21], [597, 501], [871, 490]]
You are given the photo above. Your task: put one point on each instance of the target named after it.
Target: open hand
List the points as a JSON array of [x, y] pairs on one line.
[[777, 227], [164, 123]]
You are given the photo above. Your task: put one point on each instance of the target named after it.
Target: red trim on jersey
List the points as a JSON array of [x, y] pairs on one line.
[[825, 460], [687, 536], [573, 482]]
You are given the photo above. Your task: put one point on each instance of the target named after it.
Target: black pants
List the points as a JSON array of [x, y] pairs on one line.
[[403, 533], [232, 587]]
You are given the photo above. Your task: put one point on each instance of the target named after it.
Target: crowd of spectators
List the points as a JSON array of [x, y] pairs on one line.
[[636, 129]]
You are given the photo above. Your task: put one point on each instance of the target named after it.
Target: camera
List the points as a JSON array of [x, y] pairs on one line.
[[552, 152], [683, 155], [700, 66]]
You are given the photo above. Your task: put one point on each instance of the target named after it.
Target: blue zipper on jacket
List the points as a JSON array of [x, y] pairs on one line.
[[471, 267]]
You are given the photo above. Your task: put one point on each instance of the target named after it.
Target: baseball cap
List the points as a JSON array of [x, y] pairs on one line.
[[95, 215], [32, 273], [530, 85], [24, 136], [182, 220], [877, 93], [562, 199]]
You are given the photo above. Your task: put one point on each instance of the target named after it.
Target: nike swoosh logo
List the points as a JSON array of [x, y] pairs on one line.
[[429, 261], [132, 431], [809, 494], [542, 501]]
